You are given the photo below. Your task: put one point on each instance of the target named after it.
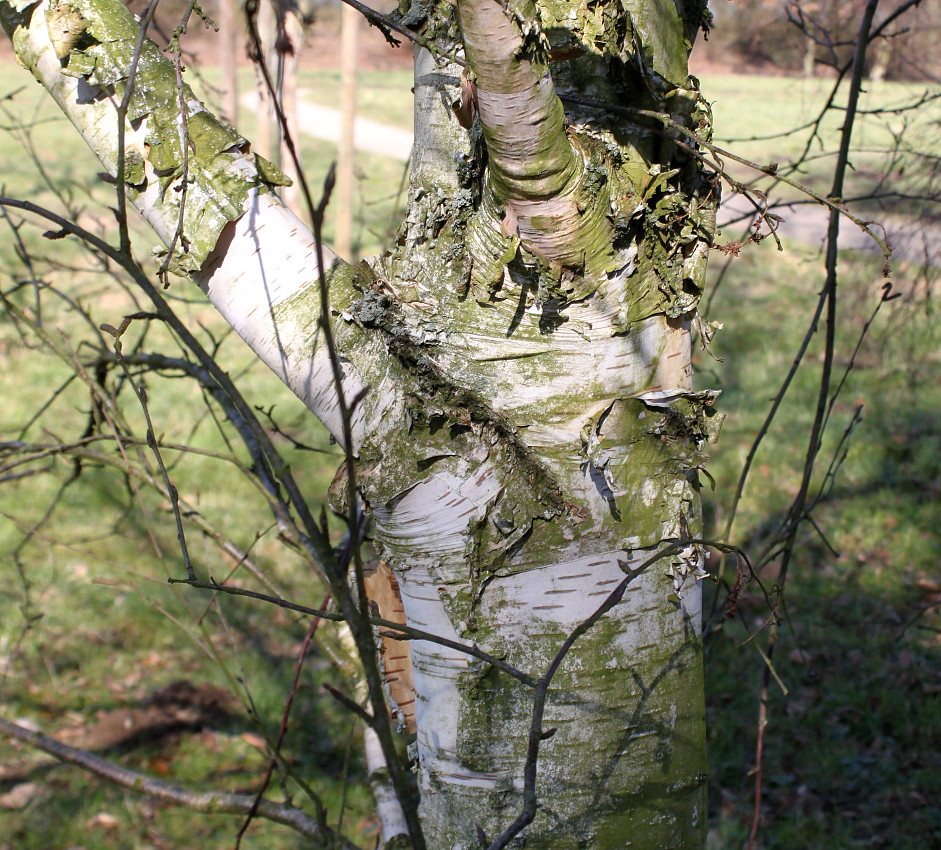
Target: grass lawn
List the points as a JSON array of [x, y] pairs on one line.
[[854, 733], [90, 625]]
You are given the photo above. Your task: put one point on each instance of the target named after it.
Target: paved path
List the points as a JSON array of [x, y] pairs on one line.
[[911, 239], [322, 122]]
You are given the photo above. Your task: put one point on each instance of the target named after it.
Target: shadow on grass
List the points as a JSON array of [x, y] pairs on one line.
[[853, 743]]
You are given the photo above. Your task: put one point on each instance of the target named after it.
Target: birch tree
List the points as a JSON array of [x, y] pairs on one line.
[[514, 384]]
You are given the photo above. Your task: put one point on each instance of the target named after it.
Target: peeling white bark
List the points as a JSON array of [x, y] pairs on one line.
[[90, 110], [528, 610], [267, 259], [388, 810]]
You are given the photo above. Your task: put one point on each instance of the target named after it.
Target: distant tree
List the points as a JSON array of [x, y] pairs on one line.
[[818, 36]]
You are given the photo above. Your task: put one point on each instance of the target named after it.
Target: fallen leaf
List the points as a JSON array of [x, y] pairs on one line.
[[19, 795], [253, 740], [160, 765], [104, 820]]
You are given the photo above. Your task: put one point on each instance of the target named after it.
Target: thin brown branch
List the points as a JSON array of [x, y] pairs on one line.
[[83, 450], [350, 705], [282, 731], [384, 23], [394, 631], [211, 802], [336, 569], [314, 542], [152, 444], [312, 537], [796, 514]]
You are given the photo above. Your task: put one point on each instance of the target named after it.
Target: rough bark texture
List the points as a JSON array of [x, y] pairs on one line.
[[531, 429], [555, 437]]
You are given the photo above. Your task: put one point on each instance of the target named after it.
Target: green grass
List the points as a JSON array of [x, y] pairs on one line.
[[753, 114], [851, 756]]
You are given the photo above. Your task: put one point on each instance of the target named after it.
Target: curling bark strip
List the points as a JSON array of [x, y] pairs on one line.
[[535, 175]]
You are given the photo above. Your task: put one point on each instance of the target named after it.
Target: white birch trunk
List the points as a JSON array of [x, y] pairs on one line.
[[530, 431]]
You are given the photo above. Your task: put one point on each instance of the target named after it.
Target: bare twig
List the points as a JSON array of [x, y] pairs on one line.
[[355, 610], [211, 802], [392, 630], [152, 444], [788, 532], [282, 731], [384, 23]]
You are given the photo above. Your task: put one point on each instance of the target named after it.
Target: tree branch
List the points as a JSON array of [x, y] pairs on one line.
[[522, 118], [211, 802]]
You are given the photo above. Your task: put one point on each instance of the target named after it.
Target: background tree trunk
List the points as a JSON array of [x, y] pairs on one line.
[[231, 46]]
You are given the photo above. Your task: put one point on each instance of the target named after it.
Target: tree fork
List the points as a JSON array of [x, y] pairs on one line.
[[530, 435]]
